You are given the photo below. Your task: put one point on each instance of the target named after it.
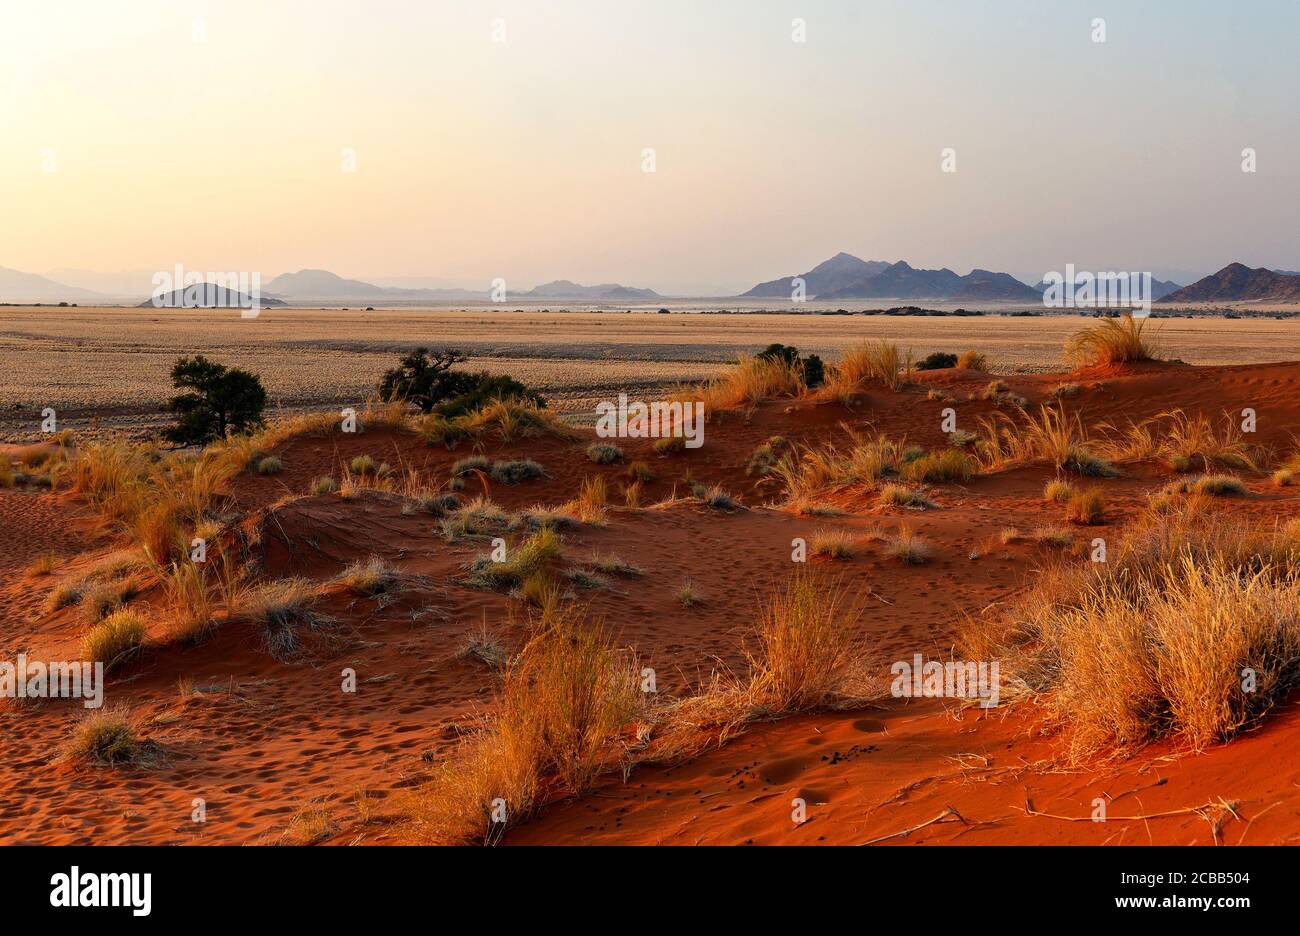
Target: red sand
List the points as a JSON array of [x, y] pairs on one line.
[[264, 739]]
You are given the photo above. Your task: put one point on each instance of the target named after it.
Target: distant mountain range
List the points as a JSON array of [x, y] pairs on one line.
[[845, 276], [1159, 288], [206, 296], [567, 289], [1238, 283], [830, 275], [322, 284], [17, 286]]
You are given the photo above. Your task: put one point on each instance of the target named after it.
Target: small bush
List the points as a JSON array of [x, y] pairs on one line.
[[531, 556], [363, 466], [515, 472], [323, 485], [1220, 486], [270, 465], [939, 360], [972, 360], [602, 453], [464, 466], [43, 564], [105, 737], [715, 497], [687, 596]]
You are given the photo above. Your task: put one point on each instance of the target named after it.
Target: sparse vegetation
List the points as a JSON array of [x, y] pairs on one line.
[[369, 577], [1111, 341], [896, 495], [1087, 508], [688, 596], [114, 639], [907, 546], [216, 400], [833, 544], [604, 453], [517, 471], [1154, 641], [972, 360], [269, 465], [109, 736], [323, 485], [937, 360]]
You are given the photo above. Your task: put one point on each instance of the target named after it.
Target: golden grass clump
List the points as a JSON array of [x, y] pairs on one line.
[[533, 555], [1190, 629], [871, 361], [750, 381], [897, 495], [945, 465], [808, 472], [807, 656], [114, 639], [1087, 508], [1111, 341], [907, 546], [833, 544], [109, 736], [566, 700], [1057, 491], [1053, 437], [369, 577], [972, 360], [278, 609], [43, 564]]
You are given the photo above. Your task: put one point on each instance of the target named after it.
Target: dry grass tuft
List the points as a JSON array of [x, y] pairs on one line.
[[833, 544], [1190, 629], [972, 360], [369, 577], [566, 699], [873, 361], [1087, 508], [109, 736], [907, 546], [114, 639], [1111, 341]]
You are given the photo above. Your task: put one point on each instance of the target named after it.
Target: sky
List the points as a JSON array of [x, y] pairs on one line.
[[466, 141]]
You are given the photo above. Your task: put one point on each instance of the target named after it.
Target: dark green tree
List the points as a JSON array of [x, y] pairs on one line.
[[425, 379], [217, 400]]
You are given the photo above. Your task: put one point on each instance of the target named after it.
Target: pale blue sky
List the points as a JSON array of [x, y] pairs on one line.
[[522, 158]]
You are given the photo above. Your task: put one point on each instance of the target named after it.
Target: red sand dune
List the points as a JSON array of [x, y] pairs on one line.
[[261, 740]]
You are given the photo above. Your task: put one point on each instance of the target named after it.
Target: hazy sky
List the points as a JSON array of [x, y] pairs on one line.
[[213, 134]]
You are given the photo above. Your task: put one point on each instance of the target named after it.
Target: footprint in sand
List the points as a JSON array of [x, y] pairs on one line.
[[781, 771]]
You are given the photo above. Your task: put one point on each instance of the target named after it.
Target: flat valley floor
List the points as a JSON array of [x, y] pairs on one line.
[[105, 370]]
